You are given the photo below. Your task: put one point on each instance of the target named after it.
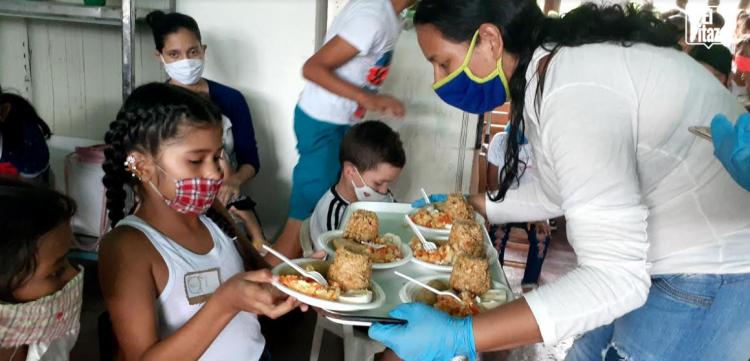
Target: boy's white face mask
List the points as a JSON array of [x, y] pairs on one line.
[[185, 71], [367, 194], [38, 323]]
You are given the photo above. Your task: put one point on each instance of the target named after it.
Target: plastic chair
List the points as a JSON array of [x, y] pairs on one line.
[[357, 345]]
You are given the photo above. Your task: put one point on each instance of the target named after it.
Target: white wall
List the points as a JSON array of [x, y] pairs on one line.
[[71, 71], [431, 130]]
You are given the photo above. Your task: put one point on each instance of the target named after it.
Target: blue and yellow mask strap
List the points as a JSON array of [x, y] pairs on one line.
[[464, 68]]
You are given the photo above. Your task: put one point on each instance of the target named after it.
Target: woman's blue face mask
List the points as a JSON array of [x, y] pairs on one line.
[[470, 93]]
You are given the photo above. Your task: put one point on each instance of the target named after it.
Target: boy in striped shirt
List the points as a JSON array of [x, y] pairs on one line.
[[372, 157]]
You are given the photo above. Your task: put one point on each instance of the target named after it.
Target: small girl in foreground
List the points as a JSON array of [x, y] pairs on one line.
[[175, 284], [40, 292]]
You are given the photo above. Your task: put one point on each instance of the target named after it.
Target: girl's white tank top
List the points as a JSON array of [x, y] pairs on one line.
[[241, 339]]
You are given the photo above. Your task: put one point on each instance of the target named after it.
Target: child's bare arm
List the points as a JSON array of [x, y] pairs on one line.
[[130, 293], [321, 67]]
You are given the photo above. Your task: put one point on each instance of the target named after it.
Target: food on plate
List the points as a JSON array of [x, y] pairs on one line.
[[454, 308], [470, 280], [334, 291], [457, 207], [428, 297], [466, 237], [470, 274], [310, 287], [362, 226], [387, 249], [361, 236], [450, 305], [384, 249], [443, 255], [350, 270], [443, 214], [431, 218]]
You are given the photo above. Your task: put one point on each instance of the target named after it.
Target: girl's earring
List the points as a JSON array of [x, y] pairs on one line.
[[131, 166]]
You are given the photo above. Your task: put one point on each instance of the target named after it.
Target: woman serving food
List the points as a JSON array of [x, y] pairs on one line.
[[660, 229]]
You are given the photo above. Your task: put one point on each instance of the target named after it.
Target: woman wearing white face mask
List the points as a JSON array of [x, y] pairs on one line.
[[180, 50]]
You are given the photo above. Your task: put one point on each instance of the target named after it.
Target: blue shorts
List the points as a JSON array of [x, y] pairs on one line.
[[318, 167]]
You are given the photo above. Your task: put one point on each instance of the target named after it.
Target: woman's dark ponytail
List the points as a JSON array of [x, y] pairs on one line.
[[163, 24], [115, 173], [524, 28]]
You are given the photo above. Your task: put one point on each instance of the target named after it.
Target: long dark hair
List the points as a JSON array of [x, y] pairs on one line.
[[524, 28], [27, 212], [162, 25], [21, 113]]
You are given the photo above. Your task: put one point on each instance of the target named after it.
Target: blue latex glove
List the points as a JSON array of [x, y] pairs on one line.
[[732, 146], [434, 198], [429, 334]]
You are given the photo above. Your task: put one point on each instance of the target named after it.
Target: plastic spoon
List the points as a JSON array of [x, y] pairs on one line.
[[427, 245], [427, 287], [426, 198], [313, 275]]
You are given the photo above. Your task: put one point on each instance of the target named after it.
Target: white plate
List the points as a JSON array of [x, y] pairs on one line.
[[325, 241], [409, 290], [427, 232], [378, 296], [438, 233], [490, 251]]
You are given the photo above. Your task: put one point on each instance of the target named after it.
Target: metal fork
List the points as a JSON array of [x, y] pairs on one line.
[[427, 245], [431, 289], [313, 275]]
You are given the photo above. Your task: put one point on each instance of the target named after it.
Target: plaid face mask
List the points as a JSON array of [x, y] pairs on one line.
[[193, 196], [44, 320]]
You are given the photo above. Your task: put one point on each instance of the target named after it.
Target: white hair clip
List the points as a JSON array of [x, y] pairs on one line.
[[130, 165]]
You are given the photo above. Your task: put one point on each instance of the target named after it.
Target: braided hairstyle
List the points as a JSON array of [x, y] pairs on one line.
[[152, 114]]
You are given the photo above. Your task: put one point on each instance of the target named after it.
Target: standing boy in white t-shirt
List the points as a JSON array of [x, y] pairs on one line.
[[343, 79]]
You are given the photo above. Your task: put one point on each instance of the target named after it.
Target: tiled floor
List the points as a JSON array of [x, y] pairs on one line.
[[289, 338]]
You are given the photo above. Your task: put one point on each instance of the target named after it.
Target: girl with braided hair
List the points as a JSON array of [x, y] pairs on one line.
[[175, 284]]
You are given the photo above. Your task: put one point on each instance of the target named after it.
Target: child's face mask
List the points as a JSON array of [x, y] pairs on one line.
[[193, 196], [367, 194], [43, 320]]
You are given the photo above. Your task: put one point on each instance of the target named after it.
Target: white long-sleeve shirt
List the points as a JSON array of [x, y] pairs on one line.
[[641, 194]]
